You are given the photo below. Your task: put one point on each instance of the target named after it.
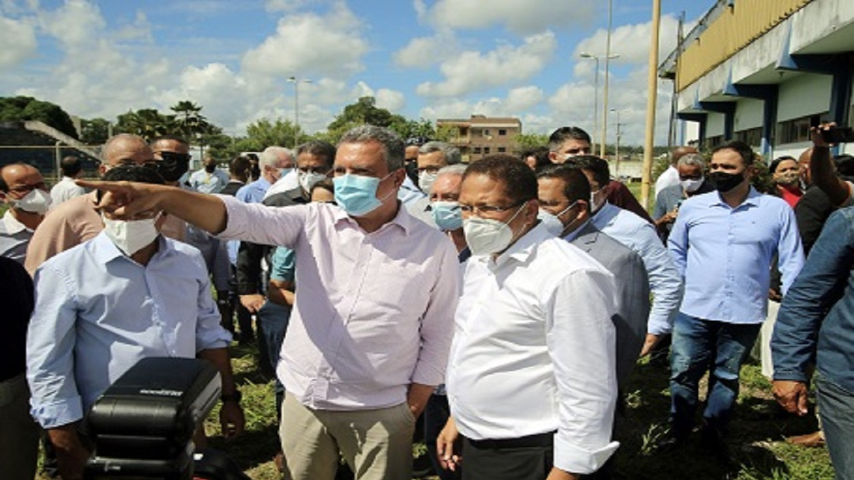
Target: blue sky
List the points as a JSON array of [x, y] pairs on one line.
[[421, 58]]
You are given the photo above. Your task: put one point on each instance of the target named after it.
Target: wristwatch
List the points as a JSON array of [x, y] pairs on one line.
[[234, 396]]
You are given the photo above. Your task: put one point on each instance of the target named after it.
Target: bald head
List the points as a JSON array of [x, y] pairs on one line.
[[124, 149], [679, 152], [804, 166]]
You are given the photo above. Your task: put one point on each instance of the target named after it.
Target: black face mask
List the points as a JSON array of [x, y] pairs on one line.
[[210, 168], [725, 182], [173, 165]]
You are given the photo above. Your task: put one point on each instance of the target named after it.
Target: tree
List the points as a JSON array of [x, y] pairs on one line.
[[188, 120], [364, 111], [527, 141], [413, 128], [95, 131], [20, 109], [263, 133], [148, 123]]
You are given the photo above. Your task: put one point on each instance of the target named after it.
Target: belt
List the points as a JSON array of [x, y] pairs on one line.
[[538, 440]]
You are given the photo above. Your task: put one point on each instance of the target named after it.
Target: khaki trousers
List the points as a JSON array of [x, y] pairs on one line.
[[19, 433], [376, 444]]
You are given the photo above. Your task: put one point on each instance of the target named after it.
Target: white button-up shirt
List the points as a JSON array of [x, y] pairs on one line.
[[64, 190], [373, 311], [534, 350]]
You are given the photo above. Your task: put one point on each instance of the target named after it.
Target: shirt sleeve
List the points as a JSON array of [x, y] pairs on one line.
[[51, 338], [789, 249], [283, 266], [54, 235], [581, 343], [820, 284], [209, 331], [664, 280], [437, 324], [257, 223]]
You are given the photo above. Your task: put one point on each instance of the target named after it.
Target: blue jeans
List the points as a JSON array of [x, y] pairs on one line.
[[700, 345], [272, 321], [836, 409]]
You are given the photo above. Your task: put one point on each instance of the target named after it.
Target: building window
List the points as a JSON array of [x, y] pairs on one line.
[[712, 142], [485, 133], [476, 150], [486, 150], [752, 137], [502, 149], [797, 129], [502, 132]]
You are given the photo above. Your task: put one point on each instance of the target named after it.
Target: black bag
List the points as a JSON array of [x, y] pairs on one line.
[[210, 464]]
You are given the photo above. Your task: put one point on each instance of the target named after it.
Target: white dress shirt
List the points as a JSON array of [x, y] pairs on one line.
[[534, 350], [64, 190], [373, 311], [286, 182]]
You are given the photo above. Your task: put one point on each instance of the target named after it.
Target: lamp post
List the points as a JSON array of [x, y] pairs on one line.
[[619, 134], [596, 99], [296, 81], [608, 58]]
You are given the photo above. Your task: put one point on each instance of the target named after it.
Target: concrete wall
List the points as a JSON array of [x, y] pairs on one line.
[[805, 94], [748, 114]]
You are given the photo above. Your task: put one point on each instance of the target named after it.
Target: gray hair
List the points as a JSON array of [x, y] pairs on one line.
[[392, 144], [692, 159], [449, 152], [271, 155], [455, 169]]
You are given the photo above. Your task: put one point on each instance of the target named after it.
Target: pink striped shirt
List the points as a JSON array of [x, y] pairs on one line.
[[373, 312]]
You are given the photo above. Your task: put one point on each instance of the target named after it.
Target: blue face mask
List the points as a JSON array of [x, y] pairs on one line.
[[447, 215], [357, 194]]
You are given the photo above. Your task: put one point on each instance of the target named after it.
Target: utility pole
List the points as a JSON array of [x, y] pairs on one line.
[[296, 81], [652, 90], [607, 76]]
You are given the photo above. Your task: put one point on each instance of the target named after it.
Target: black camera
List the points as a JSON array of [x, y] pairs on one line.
[[142, 427]]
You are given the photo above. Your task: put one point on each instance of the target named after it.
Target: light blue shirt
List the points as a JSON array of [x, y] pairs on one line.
[[725, 254], [204, 182], [664, 280], [253, 192], [409, 193], [98, 313], [249, 193], [282, 266]]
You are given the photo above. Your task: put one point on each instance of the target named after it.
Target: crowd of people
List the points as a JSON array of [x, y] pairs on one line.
[[505, 302]]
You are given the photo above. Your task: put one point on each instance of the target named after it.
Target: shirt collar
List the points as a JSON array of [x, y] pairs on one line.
[[523, 247], [575, 233], [753, 198], [13, 226], [403, 219], [106, 251]]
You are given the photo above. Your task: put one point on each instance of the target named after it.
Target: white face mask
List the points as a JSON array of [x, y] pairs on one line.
[[426, 180], [37, 201], [485, 236], [310, 179], [131, 236], [691, 186], [552, 221]]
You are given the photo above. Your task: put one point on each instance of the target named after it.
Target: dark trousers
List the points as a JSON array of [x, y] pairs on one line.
[[526, 458], [435, 417], [272, 322]]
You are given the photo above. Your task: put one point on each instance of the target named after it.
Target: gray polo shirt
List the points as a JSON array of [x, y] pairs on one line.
[[14, 238]]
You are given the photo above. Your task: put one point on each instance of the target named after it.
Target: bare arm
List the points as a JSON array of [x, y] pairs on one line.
[[70, 453], [231, 415], [125, 199], [417, 397], [822, 169]]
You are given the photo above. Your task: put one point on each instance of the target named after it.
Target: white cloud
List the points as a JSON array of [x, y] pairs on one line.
[[524, 98], [631, 42], [514, 105], [311, 45], [471, 70], [391, 100], [521, 17], [423, 52], [18, 38], [77, 24], [284, 5]]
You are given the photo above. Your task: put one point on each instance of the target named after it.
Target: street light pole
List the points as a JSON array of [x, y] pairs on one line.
[[296, 83], [619, 133], [595, 95], [652, 91], [607, 76]]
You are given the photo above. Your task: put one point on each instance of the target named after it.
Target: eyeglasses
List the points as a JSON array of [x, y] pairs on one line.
[[488, 209], [25, 189]]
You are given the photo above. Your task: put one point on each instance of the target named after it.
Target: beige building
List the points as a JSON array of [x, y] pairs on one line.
[[480, 136]]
